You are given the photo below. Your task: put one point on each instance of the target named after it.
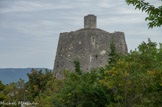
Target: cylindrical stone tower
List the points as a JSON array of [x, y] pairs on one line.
[[90, 45]]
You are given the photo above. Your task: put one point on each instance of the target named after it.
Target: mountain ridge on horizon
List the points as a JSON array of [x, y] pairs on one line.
[[8, 75]]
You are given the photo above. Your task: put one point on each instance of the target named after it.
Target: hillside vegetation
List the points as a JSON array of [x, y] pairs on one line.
[[132, 80]]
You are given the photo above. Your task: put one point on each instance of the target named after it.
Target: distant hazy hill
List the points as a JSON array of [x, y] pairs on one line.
[[8, 75]]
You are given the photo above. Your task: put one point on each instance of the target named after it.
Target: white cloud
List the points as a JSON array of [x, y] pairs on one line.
[[120, 20], [30, 6], [29, 29], [156, 3]]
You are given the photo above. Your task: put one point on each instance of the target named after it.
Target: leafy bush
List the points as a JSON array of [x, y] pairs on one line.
[[131, 80]]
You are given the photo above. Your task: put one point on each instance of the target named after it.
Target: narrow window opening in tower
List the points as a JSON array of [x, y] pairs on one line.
[[93, 39], [96, 56]]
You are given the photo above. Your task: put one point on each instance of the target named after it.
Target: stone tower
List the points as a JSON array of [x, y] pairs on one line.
[[90, 45]]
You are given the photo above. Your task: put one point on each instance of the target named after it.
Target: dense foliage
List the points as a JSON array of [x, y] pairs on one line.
[[2, 95], [37, 82], [131, 80], [135, 79]]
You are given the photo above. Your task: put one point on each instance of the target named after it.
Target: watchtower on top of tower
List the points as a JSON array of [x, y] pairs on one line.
[[90, 21]]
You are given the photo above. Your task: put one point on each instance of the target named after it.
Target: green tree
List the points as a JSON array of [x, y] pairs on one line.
[[83, 90], [15, 91], [37, 82], [77, 66], [135, 79], [2, 95], [113, 55], [154, 13], [49, 98]]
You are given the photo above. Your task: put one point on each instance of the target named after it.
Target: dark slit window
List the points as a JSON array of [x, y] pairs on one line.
[[96, 56]]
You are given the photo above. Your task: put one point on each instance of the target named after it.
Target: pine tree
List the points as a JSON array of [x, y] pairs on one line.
[[113, 56], [77, 66]]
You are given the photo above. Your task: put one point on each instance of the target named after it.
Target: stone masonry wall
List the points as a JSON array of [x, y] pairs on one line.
[[90, 45]]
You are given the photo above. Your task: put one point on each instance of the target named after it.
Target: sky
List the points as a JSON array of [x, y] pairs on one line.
[[29, 29]]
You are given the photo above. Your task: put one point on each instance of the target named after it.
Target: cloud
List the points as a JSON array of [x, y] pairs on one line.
[[30, 6], [37, 29], [29, 29], [121, 20], [156, 3]]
